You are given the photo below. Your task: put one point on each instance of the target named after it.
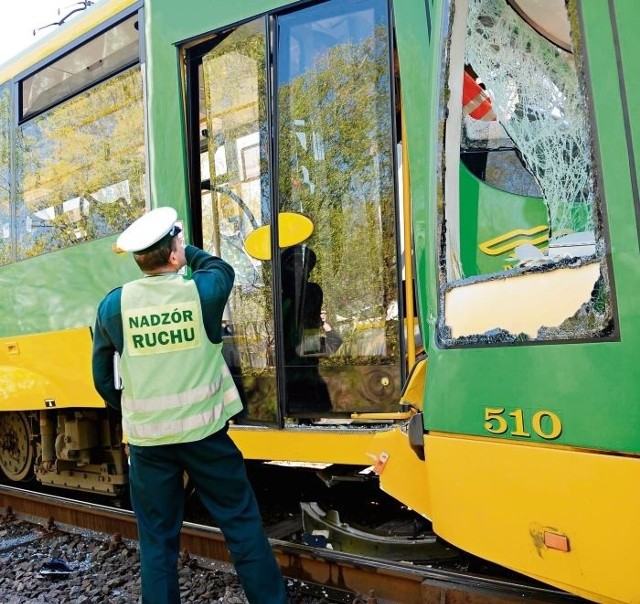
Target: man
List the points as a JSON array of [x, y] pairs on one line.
[[307, 393], [176, 397]]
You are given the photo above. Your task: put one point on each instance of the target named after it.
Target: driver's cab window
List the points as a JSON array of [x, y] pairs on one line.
[[523, 249], [336, 282]]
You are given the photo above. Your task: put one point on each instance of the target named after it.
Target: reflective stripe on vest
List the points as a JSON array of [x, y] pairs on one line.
[[177, 387]]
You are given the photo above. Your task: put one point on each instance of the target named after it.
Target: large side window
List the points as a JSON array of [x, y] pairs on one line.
[[5, 175], [335, 165], [314, 146], [235, 200], [523, 249], [81, 163]]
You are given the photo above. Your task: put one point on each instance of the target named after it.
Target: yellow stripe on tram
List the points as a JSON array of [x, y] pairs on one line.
[[492, 247]]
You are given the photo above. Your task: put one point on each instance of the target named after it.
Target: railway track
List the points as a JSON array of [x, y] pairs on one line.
[[344, 577]]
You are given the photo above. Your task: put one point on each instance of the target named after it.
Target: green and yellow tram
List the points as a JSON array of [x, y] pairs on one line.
[[400, 185]]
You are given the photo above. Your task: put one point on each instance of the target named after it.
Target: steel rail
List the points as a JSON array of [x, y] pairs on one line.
[[371, 581]]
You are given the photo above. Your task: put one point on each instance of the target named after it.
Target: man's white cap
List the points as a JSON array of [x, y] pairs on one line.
[[150, 229]]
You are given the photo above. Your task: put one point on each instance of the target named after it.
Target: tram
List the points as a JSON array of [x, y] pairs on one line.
[[432, 209]]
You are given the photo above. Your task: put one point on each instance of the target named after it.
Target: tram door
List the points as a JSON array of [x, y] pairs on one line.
[[295, 119]]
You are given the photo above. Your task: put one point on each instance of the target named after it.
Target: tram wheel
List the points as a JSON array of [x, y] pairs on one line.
[[16, 446]]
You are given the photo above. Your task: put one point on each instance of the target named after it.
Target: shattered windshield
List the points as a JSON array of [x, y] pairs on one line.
[[522, 248]]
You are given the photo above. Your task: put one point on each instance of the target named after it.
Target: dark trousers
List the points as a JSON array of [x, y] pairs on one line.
[[216, 467]]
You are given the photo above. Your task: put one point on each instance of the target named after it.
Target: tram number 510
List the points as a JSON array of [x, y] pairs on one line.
[[546, 424]]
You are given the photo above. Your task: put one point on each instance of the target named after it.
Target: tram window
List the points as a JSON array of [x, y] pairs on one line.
[[234, 201], [5, 179], [523, 257], [97, 59], [336, 168], [81, 167]]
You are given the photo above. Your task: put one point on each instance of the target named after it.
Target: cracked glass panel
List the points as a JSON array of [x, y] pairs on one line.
[[522, 250]]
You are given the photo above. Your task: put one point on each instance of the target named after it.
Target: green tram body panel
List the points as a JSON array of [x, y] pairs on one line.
[[61, 289], [590, 385]]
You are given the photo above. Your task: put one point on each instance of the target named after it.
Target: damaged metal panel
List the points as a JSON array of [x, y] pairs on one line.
[[521, 305]]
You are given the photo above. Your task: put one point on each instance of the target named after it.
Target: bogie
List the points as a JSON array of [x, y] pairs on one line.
[[81, 450], [16, 446]]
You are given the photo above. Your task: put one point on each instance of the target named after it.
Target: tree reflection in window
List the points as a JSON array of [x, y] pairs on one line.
[[81, 167], [5, 180], [335, 165]]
